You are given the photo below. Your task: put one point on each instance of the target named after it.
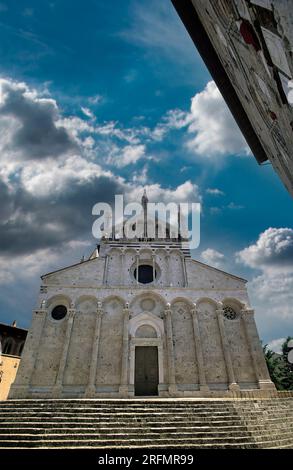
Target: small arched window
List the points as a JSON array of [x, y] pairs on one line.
[[8, 346]]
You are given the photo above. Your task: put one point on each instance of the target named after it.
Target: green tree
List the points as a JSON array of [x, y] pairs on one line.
[[288, 371], [275, 366], [281, 371]]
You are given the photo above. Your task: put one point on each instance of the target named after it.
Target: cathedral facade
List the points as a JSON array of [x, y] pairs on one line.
[[141, 318]]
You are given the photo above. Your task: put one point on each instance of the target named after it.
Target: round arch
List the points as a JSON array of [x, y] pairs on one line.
[[182, 299], [149, 294], [234, 303], [206, 300], [85, 298]]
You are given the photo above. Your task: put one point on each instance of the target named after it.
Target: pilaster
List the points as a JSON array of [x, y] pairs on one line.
[[57, 389], [91, 387], [199, 353], [226, 350], [123, 389], [170, 352]]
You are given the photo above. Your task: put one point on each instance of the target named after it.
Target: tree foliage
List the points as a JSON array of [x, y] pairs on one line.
[[280, 369]]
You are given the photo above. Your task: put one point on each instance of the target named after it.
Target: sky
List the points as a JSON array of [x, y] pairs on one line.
[[102, 98]]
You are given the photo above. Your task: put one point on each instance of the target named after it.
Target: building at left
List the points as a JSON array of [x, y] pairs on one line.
[[12, 340]]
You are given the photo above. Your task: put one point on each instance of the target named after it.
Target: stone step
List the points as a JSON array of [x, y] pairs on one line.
[[131, 438], [98, 405], [94, 405], [120, 413], [144, 420], [48, 428], [149, 443], [159, 402], [141, 433], [129, 418], [146, 423], [20, 426]]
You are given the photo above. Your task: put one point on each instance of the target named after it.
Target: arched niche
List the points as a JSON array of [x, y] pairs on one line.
[[86, 304], [148, 301], [146, 331]]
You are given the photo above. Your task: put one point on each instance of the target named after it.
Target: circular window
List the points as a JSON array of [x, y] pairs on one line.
[[59, 312], [145, 274], [229, 313]]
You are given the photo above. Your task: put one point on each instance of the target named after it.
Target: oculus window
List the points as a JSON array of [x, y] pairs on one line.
[[145, 274], [59, 312]]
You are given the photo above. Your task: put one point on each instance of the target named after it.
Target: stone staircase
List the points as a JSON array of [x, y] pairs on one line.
[[147, 423]]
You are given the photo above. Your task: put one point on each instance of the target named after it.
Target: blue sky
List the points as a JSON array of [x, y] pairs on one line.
[[119, 99]]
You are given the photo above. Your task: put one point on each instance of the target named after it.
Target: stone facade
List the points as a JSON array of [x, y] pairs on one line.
[[247, 47], [197, 319]]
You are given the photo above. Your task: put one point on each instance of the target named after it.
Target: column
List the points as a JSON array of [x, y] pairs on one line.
[[198, 352], [105, 278], [123, 389], [185, 272], [170, 352], [168, 270], [255, 350], [57, 389], [91, 387], [226, 350], [137, 265], [154, 268], [122, 268]]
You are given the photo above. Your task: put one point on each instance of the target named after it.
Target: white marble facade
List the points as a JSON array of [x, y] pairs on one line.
[[196, 318]]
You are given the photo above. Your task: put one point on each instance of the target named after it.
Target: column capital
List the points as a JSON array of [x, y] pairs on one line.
[[126, 309], [247, 311], [71, 314], [167, 310], [40, 311], [220, 311], [194, 311]]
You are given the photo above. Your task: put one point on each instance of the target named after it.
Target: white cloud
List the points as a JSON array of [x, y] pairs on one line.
[[25, 266], [95, 99], [276, 345], [140, 177], [213, 257], [186, 192], [53, 177], [213, 130], [87, 112], [271, 291], [130, 154], [215, 192], [273, 251], [274, 291], [234, 206]]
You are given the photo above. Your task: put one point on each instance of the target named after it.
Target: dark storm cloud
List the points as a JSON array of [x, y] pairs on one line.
[[36, 134], [46, 222]]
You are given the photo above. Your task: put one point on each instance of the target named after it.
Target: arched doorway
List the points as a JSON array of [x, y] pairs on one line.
[[146, 354]]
